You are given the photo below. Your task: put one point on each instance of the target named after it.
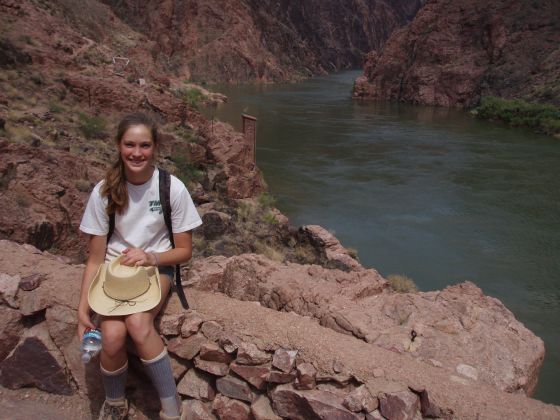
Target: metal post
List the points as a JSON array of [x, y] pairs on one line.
[[250, 132]]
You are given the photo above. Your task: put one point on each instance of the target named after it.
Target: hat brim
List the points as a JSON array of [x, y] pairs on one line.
[[104, 305]]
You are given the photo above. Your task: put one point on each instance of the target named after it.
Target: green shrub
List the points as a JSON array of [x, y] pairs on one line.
[[270, 218], [92, 127], [190, 96], [83, 185], [266, 200], [353, 252], [401, 283], [540, 117], [38, 79], [56, 108], [187, 171]]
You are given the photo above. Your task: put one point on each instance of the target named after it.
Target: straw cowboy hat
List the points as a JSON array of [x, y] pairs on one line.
[[123, 290]]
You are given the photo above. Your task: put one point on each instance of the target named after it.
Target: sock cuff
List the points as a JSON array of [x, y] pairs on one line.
[[157, 358], [114, 372]]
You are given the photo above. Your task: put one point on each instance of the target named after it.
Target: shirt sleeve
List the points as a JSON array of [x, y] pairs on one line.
[[184, 216], [95, 220]]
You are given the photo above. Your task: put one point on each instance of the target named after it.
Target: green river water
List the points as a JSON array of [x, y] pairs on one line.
[[428, 192]]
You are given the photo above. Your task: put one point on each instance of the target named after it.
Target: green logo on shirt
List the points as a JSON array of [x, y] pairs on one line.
[[155, 205]]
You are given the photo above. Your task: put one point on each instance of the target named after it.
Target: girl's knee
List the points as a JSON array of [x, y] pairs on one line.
[[139, 326], [114, 339]]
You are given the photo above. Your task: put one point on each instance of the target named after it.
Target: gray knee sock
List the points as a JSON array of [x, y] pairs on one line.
[[159, 370], [114, 383]]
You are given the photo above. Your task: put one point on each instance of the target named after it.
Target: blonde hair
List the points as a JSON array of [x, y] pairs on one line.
[[114, 187]]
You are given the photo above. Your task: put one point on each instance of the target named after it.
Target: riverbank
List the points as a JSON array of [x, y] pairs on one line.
[[541, 118]]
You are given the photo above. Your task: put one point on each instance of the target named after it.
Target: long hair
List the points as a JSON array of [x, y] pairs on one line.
[[114, 187]]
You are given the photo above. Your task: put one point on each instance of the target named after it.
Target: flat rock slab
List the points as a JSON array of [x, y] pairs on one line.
[[31, 364], [197, 410], [402, 405], [235, 388], [187, 348], [302, 405], [284, 359], [197, 385], [231, 409], [255, 375]]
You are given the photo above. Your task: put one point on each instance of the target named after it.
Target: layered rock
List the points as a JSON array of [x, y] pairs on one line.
[[471, 335], [455, 52], [246, 40], [324, 373]]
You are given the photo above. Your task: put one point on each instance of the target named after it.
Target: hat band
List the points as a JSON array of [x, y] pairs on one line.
[[121, 302]]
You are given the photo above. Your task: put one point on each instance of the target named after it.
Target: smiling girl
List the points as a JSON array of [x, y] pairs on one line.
[[130, 191]]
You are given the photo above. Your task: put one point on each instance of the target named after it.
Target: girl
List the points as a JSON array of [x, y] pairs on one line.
[[130, 190]]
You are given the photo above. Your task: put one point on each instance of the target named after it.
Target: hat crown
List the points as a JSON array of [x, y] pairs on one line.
[[123, 282]]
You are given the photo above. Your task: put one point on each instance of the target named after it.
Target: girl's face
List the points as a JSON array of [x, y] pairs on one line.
[[137, 150]]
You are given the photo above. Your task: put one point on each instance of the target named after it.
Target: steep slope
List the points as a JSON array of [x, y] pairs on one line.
[[455, 52], [249, 40]]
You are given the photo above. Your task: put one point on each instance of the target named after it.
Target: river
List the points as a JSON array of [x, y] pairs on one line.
[[431, 193]]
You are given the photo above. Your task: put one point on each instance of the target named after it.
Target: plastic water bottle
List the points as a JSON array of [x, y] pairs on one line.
[[91, 345]]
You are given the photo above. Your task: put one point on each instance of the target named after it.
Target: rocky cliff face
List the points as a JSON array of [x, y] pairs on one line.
[[249, 40], [455, 52]]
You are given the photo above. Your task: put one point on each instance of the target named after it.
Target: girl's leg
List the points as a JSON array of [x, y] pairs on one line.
[[153, 354], [114, 367]]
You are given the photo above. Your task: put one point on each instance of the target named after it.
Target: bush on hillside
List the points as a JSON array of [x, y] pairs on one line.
[[401, 283], [92, 127]]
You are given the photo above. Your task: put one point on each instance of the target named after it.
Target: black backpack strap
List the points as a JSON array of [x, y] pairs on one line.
[[165, 201], [111, 224]]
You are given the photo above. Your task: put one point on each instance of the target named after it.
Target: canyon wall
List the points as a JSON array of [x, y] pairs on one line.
[[455, 52], [249, 40]]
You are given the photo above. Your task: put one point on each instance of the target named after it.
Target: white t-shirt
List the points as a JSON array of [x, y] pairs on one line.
[[142, 224]]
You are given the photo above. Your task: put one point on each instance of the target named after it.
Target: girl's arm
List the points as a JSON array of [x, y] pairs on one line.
[[178, 255], [96, 257]]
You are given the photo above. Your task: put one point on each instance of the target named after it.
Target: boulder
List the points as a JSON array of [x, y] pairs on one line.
[[302, 405], [235, 388], [36, 362], [227, 408], [360, 400], [403, 405], [215, 368], [196, 385], [306, 374], [170, 324], [11, 328], [331, 250], [255, 375], [186, 348], [206, 274], [213, 353], [212, 330], [31, 282], [197, 410], [249, 354], [284, 359], [191, 324], [262, 410], [8, 289]]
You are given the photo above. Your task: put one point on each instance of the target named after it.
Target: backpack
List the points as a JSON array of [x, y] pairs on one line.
[[165, 201]]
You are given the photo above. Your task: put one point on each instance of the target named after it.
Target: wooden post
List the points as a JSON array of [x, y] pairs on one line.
[[250, 132]]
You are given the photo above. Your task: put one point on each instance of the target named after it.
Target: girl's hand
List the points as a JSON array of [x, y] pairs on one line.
[[137, 256], [84, 322]]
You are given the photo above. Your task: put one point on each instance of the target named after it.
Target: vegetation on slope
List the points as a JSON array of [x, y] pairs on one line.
[[540, 117]]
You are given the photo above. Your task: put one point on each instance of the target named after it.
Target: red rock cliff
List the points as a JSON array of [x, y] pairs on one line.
[[249, 40], [455, 52]]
